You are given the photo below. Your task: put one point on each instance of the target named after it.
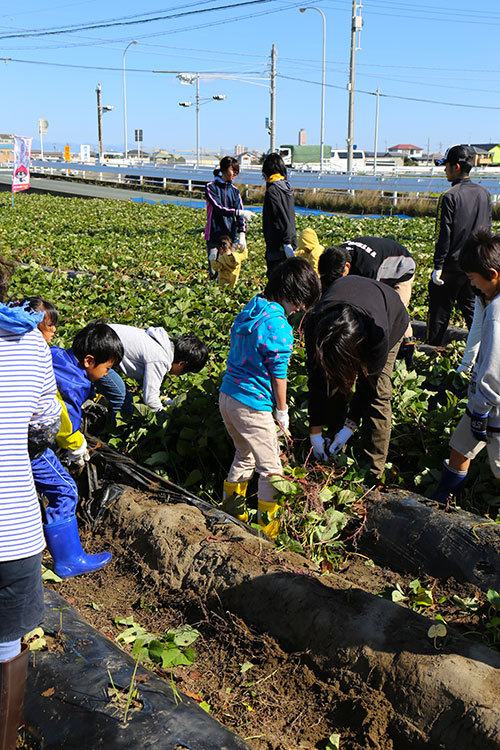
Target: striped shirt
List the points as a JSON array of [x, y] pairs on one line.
[[27, 394]]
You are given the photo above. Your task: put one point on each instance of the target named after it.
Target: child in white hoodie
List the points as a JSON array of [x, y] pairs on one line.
[[148, 356], [480, 426]]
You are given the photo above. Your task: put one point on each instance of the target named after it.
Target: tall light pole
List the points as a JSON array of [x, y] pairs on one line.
[[375, 141], [356, 26], [125, 100], [100, 109], [322, 129], [191, 78]]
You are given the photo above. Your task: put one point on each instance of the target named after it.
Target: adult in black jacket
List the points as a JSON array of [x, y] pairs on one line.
[[278, 213], [352, 336], [462, 210]]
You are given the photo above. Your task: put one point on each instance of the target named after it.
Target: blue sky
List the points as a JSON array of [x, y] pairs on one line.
[[444, 52]]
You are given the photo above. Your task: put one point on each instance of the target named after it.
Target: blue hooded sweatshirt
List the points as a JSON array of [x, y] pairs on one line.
[[261, 345]]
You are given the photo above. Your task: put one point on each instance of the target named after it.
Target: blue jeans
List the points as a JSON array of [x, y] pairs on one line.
[[117, 393], [52, 479]]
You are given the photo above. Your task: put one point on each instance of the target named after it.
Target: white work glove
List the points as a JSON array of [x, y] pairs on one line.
[[319, 447], [463, 369], [167, 402], [78, 456], [289, 251], [242, 241], [283, 419], [436, 277], [340, 440], [246, 214]]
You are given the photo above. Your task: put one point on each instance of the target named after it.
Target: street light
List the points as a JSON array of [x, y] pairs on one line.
[[125, 101], [191, 78], [322, 133], [100, 109]]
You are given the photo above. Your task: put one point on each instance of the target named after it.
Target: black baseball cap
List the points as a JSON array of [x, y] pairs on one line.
[[457, 155]]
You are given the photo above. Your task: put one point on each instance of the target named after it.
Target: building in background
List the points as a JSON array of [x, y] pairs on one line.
[[302, 137], [239, 149], [406, 149], [5, 148]]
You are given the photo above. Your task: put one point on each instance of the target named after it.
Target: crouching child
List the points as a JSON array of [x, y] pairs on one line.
[[255, 383], [228, 262], [148, 355]]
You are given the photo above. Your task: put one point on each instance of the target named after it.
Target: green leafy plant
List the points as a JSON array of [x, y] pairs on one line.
[[169, 650]]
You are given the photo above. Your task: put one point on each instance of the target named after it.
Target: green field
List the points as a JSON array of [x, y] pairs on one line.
[[145, 265]]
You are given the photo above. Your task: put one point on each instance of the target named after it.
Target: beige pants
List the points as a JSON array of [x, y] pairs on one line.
[[255, 440], [404, 291]]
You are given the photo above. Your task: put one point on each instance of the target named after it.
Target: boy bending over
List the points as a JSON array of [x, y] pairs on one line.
[[148, 356]]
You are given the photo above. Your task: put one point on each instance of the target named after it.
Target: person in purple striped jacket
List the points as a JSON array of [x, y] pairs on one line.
[[225, 212]]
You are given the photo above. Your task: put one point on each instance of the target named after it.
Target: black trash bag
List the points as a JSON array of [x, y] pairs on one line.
[[68, 704]]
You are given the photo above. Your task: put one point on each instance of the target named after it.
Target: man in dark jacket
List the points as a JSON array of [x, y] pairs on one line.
[[278, 213], [352, 336], [462, 210]]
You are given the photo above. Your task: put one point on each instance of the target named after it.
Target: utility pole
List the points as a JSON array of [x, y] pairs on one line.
[[356, 26], [197, 100], [99, 120], [272, 120], [375, 143], [428, 150]]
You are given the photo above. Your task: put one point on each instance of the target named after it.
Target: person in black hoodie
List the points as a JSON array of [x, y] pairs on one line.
[[352, 336], [278, 213]]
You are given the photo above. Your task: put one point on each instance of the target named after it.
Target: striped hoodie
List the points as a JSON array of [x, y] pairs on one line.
[[27, 395]]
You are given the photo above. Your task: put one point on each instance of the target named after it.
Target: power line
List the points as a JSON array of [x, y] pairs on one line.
[[393, 96], [109, 24], [214, 73]]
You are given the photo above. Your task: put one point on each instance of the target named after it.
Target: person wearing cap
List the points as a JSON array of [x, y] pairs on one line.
[[462, 210], [309, 247], [380, 258]]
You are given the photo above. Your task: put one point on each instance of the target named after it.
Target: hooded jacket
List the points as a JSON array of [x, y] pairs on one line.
[[147, 356], [309, 247], [261, 344], [223, 206], [73, 389], [484, 388], [278, 219], [228, 267], [27, 396], [380, 258]]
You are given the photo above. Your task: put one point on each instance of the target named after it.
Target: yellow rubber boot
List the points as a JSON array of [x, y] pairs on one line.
[[233, 500], [266, 518]]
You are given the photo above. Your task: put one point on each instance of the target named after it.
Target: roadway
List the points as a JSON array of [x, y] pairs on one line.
[[67, 187]]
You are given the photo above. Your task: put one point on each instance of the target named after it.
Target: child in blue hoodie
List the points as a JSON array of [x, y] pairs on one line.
[[255, 383]]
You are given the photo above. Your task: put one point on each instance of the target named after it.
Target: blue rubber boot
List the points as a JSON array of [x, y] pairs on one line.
[[65, 547], [451, 483]]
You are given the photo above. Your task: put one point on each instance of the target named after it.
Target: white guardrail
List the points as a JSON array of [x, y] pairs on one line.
[[419, 184]]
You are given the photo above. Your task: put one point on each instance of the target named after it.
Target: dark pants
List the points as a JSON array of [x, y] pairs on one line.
[[272, 264], [21, 597], [442, 299]]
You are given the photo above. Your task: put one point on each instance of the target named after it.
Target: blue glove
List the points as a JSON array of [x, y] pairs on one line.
[[478, 424]]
